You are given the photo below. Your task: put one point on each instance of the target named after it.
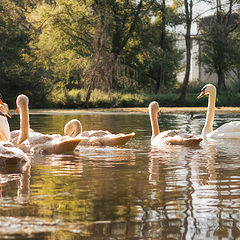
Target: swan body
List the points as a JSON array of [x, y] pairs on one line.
[[95, 137], [170, 137], [4, 126], [229, 130], [9, 152], [35, 142]]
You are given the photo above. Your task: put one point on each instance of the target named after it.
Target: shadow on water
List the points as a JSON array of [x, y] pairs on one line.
[[130, 192]]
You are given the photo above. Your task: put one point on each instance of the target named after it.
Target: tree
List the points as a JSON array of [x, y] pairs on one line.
[[104, 44], [115, 26], [188, 6], [77, 37], [220, 43], [153, 52], [62, 40], [126, 20], [15, 71]]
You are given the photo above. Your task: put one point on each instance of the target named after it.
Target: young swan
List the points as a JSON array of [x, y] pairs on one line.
[[170, 137], [95, 137], [37, 142], [227, 130]]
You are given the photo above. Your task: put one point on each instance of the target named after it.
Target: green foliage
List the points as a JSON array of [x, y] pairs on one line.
[[76, 99], [146, 53], [64, 42], [62, 52], [220, 46], [17, 74]]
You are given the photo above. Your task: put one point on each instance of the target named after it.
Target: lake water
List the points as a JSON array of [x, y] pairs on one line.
[[129, 192]]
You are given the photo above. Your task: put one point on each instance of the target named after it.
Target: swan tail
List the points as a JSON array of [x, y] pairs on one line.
[[63, 146], [183, 141], [67, 145], [120, 139], [192, 141]]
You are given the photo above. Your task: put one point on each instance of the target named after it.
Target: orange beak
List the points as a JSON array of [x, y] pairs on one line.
[[17, 110], [201, 94], [1, 102], [9, 114], [158, 114]]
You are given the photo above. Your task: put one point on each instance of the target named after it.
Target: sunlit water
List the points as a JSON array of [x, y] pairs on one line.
[[129, 192]]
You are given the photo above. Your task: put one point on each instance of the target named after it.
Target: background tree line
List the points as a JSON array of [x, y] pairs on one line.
[[51, 47]]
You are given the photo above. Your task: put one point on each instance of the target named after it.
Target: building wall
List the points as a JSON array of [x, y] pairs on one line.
[[198, 71]]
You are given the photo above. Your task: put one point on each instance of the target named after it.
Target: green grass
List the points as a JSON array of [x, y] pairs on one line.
[[99, 99]]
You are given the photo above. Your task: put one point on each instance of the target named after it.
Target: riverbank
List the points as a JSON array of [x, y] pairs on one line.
[[134, 110], [75, 99]]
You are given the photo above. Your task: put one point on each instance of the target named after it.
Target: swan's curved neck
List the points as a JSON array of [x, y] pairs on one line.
[[24, 124], [73, 128], [210, 114], [154, 123], [77, 128]]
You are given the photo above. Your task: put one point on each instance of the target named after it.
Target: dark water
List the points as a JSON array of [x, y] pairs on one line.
[[129, 192]]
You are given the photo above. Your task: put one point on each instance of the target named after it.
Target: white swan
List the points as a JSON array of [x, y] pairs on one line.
[[37, 142], [8, 152], [227, 130], [95, 137], [4, 126], [170, 137]]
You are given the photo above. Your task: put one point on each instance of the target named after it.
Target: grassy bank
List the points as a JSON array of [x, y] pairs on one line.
[[99, 99]]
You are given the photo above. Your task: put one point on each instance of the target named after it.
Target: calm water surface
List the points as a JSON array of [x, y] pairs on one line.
[[129, 192]]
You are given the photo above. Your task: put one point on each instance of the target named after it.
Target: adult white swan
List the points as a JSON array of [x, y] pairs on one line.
[[170, 137], [95, 137], [227, 130], [4, 126], [7, 150], [37, 142]]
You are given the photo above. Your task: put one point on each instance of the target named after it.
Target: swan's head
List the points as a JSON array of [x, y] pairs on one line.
[[22, 100], [4, 109], [207, 89], [73, 128], [154, 107]]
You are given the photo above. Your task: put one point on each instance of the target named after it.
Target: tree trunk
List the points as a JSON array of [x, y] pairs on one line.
[[161, 75], [221, 82], [188, 13], [89, 93], [187, 71], [159, 82]]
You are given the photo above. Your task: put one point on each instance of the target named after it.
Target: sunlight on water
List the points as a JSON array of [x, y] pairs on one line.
[[130, 192]]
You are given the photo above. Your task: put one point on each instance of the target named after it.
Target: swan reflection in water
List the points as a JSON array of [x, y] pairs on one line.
[[175, 161], [73, 164], [20, 173], [107, 156], [57, 165], [194, 187], [200, 158]]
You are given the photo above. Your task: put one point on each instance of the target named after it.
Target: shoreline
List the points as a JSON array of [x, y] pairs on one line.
[[170, 110]]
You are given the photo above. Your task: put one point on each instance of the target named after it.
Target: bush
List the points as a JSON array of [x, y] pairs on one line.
[[100, 99]]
